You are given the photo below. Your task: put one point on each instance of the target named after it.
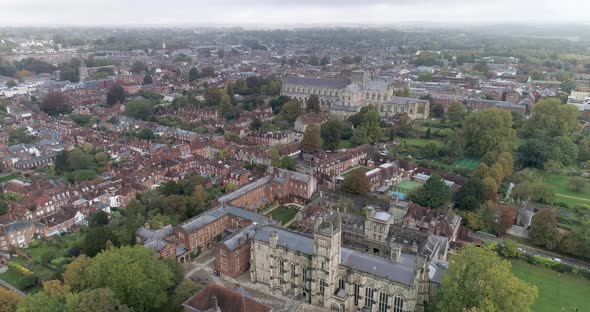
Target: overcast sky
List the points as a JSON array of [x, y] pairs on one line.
[[287, 12]]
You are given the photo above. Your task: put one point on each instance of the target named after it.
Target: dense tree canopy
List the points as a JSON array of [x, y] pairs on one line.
[[433, 194], [313, 104], [489, 130], [544, 230], [311, 138], [478, 279], [291, 110], [356, 182], [135, 276], [55, 103], [331, 133], [553, 118], [116, 94]]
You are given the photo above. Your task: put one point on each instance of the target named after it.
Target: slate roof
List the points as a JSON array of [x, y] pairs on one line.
[[318, 82], [227, 301], [400, 272], [218, 212]]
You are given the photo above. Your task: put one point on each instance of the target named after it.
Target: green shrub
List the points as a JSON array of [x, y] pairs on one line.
[[19, 268], [59, 261], [538, 260], [26, 282]]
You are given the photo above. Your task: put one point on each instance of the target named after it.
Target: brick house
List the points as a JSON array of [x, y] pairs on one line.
[[232, 256], [215, 298]]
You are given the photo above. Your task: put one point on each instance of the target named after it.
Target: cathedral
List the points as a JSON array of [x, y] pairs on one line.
[[344, 97], [319, 269]]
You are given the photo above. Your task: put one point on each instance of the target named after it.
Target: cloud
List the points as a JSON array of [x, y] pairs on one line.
[[286, 12]]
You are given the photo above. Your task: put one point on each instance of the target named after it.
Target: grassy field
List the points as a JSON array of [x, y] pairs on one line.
[[557, 292], [563, 194], [11, 277], [8, 177], [467, 163], [284, 214], [421, 142], [365, 169]]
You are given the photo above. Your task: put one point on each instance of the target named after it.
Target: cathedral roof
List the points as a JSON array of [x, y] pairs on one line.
[[318, 82]]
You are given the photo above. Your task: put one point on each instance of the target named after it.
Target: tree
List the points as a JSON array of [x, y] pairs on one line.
[[356, 182], [510, 249], [212, 96], [99, 300], [544, 230], [359, 137], [325, 60], [147, 79], [138, 67], [134, 274], [425, 77], [97, 240], [313, 60], [55, 297], [98, 219], [183, 291], [553, 118], [430, 150], [256, 124], [371, 121], [313, 104], [489, 130], [146, 134], [478, 280], [456, 113], [542, 193], [208, 71], [438, 111], [330, 132], [139, 109], [433, 194], [8, 300], [311, 139], [577, 184], [55, 103], [491, 188], [291, 110], [11, 84], [115, 95], [498, 218], [20, 135], [193, 74]]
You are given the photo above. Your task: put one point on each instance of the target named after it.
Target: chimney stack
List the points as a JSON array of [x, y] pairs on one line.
[[214, 304]]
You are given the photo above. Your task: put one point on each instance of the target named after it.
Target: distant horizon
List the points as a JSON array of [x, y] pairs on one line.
[[289, 13]]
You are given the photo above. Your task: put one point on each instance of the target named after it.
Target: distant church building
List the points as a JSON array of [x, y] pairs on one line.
[[317, 269], [345, 97]]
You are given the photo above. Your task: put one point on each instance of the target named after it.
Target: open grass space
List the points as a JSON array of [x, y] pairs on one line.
[[8, 177], [421, 142], [365, 169], [284, 213], [560, 185], [557, 291], [467, 163]]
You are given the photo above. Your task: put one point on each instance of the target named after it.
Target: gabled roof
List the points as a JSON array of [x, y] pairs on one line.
[[227, 301]]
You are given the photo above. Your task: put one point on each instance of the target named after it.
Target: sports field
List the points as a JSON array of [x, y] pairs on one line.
[[467, 163]]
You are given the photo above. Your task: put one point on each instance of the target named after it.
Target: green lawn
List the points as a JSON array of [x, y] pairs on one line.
[[284, 214], [8, 177], [11, 277], [365, 169], [405, 186], [421, 142], [557, 291], [467, 163], [564, 194]]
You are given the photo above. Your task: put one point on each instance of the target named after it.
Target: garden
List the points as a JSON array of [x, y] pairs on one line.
[[284, 213], [41, 261]]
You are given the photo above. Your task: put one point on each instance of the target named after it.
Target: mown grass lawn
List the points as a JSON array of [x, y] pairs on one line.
[[11, 277], [557, 291], [421, 142], [560, 185], [284, 214], [8, 177]]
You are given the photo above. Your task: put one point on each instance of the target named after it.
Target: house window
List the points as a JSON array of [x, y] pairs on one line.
[[357, 294], [282, 266], [383, 301], [292, 271], [398, 304], [369, 297]]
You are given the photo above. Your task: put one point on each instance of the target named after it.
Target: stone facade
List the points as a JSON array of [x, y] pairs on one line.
[[343, 97], [319, 270]]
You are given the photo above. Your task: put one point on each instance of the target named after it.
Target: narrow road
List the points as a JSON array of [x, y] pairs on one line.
[[12, 288]]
